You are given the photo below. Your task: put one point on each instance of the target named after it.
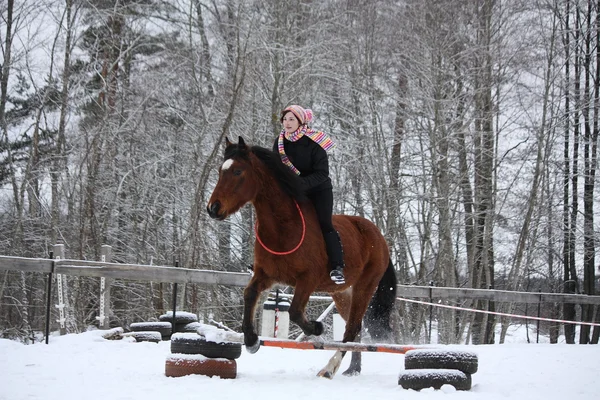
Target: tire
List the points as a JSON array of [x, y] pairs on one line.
[[418, 379], [464, 361], [181, 317], [146, 336], [182, 365], [163, 327], [192, 343], [114, 334], [191, 327]]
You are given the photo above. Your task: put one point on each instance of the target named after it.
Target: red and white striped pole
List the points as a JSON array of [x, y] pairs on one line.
[[275, 331], [276, 325]]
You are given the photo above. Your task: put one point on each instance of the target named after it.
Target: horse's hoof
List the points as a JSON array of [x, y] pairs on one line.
[[313, 328], [253, 348], [351, 372], [325, 374], [251, 342], [332, 366], [317, 328]]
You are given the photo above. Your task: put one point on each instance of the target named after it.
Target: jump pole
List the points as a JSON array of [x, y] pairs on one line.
[[348, 346]]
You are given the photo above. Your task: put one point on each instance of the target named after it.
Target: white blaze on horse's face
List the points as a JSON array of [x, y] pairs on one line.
[[226, 165]]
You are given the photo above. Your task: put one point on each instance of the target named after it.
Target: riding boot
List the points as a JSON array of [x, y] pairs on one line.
[[335, 253]]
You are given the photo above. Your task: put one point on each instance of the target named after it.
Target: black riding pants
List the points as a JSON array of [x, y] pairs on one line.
[[323, 202]]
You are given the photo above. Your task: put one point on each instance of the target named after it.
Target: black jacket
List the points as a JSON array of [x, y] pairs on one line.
[[311, 160]]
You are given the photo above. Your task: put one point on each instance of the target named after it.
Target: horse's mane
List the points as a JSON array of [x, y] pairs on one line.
[[289, 182]]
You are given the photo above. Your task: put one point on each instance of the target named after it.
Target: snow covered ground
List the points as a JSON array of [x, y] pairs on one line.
[[87, 367]]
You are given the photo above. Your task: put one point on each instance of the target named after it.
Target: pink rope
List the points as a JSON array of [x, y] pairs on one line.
[[499, 313], [283, 253]]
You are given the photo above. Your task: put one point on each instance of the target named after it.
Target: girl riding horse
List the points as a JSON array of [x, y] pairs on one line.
[[289, 249]]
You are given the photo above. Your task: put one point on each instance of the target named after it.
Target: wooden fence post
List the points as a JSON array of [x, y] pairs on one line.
[[104, 315], [59, 254], [48, 297]]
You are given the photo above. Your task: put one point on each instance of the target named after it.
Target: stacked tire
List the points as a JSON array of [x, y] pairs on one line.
[[156, 331], [425, 368], [163, 329], [193, 354], [184, 321]]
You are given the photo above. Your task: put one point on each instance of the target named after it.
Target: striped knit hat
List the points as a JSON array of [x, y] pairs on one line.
[[304, 115]]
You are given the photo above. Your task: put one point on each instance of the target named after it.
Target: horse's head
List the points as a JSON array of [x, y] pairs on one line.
[[237, 182]]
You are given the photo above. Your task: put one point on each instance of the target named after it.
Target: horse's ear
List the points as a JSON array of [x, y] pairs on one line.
[[241, 143], [227, 142]]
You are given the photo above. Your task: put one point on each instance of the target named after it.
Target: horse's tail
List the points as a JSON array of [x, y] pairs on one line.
[[377, 317]]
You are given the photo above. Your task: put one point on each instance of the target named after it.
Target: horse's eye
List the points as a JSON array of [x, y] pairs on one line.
[[237, 172]]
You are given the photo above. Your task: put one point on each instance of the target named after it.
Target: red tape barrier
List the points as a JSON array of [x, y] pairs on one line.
[[347, 346]]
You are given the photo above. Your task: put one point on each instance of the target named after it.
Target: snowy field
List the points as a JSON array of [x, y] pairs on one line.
[[88, 367]]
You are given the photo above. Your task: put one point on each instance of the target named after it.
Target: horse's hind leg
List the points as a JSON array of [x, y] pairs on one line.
[[361, 295], [334, 363], [355, 363], [343, 301], [297, 309]]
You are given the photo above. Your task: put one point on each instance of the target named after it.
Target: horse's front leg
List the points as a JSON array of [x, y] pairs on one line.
[[257, 285], [297, 311]]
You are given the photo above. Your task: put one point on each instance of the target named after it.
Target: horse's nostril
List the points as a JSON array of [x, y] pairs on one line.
[[213, 209]]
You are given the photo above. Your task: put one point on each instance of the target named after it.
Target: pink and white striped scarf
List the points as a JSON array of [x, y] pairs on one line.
[[319, 137]]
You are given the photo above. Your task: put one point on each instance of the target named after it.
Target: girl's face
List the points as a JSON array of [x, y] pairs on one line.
[[290, 122]]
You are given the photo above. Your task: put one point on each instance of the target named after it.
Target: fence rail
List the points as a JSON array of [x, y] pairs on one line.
[[155, 273]]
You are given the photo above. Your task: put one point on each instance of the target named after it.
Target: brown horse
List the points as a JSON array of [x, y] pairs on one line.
[[290, 249]]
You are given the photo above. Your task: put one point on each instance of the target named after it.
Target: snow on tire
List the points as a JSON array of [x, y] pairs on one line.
[[464, 361], [163, 327], [192, 343], [185, 364], [146, 336], [418, 379], [181, 317], [188, 327]]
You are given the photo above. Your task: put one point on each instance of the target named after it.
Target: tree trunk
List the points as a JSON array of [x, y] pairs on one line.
[[589, 150], [483, 275], [59, 162], [568, 309], [543, 137], [395, 233]]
